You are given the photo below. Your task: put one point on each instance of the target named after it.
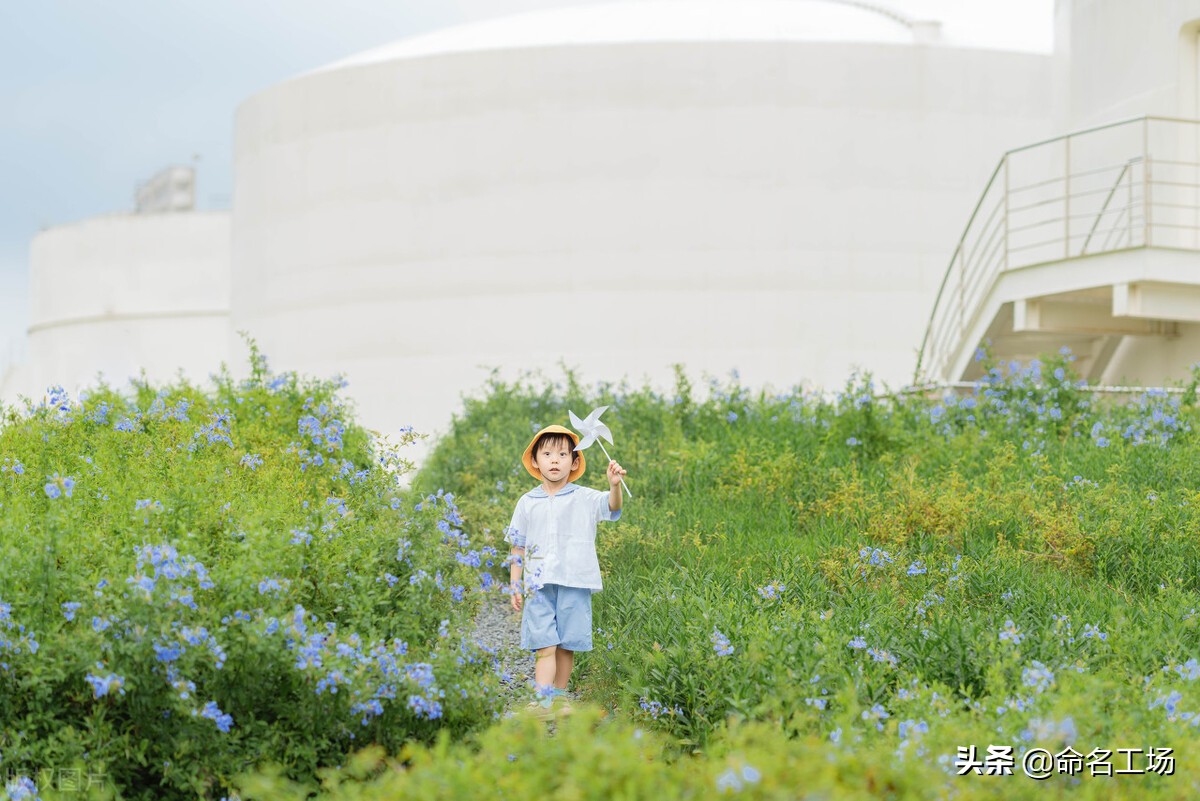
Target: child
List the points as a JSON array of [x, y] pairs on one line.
[[553, 534]]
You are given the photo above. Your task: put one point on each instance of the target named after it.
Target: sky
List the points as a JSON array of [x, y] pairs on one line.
[[98, 95]]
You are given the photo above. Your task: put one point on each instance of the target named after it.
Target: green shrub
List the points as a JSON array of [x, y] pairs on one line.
[[191, 579], [993, 561]]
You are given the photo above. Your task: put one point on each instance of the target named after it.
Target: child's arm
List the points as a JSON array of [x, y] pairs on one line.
[[516, 561], [515, 535], [615, 472]]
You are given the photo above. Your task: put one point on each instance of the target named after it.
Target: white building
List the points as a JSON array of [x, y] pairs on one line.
[[773, 185], [124, 294]]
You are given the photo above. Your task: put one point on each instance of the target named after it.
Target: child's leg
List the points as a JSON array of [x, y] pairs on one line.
[[564, 662], [538, 627], [545, 668]]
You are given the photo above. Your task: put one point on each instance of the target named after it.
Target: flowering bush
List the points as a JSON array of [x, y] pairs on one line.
[[191, 580]]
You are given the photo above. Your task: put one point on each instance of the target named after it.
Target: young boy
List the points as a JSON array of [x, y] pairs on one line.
[[553, 534]]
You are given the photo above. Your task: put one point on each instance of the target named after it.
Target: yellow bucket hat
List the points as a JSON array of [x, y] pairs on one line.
[[527, 458]]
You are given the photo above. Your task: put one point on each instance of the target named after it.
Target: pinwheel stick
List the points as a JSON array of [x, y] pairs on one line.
[[623, 484]]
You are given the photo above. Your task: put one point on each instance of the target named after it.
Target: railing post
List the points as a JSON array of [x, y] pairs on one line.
[[1067, 197], [962, 311], [1147, 181], [1006, 226], [1129, 215]]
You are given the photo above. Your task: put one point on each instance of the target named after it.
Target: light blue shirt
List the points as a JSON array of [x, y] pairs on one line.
[[558, 533]]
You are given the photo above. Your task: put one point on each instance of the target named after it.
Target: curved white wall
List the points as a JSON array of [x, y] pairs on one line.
[[1132, 58], [784, 208], [120, 293]]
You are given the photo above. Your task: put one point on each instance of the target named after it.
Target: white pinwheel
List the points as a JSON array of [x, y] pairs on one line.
[[592, 430]]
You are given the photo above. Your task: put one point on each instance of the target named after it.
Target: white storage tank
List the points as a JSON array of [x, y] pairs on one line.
[[117, 294], [768, 185]]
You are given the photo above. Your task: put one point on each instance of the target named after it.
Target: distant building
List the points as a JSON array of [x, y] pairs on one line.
[[172, 189], [778, 186]]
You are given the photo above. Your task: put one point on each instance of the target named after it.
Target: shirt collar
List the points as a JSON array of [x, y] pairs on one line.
[[538, 492]]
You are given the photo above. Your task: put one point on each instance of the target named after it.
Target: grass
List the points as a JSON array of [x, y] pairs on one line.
[[838, 596]]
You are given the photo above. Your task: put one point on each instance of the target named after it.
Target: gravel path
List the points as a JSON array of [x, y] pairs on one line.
[[497, 626]]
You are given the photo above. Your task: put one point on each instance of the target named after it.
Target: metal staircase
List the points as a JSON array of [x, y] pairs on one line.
[[1081, 240]]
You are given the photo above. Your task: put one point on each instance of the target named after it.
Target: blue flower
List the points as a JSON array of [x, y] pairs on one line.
[[1038, 676], [1189, 670], [915, 569], [655, 708], [878, 714], [213, 712], [1170, 703], [881, 655], [167, 653], [271, 585], [425, 707], [102, 686], [143, 583], [21, 788], [421, 673], [370, 709], [330, 682], [1010, 633], [729, 781], [69, 609], [720, 643], [875, 557], [772, 591]]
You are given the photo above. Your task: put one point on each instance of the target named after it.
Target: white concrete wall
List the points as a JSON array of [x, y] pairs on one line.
[[1155, 361], [15, 380], [118, 294], [787, 209], [1132, 57]]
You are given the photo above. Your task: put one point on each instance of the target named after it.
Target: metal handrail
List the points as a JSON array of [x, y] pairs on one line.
[[986, 247], [957, 250], [1104, 207], [1116, 226]]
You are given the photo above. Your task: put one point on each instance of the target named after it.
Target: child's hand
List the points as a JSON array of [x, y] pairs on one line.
[[615, 472], [517, 599]]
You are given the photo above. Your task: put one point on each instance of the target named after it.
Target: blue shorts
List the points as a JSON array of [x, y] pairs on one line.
[[557, 615]]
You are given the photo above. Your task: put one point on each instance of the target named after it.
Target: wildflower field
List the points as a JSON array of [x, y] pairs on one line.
[[991, 594]]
